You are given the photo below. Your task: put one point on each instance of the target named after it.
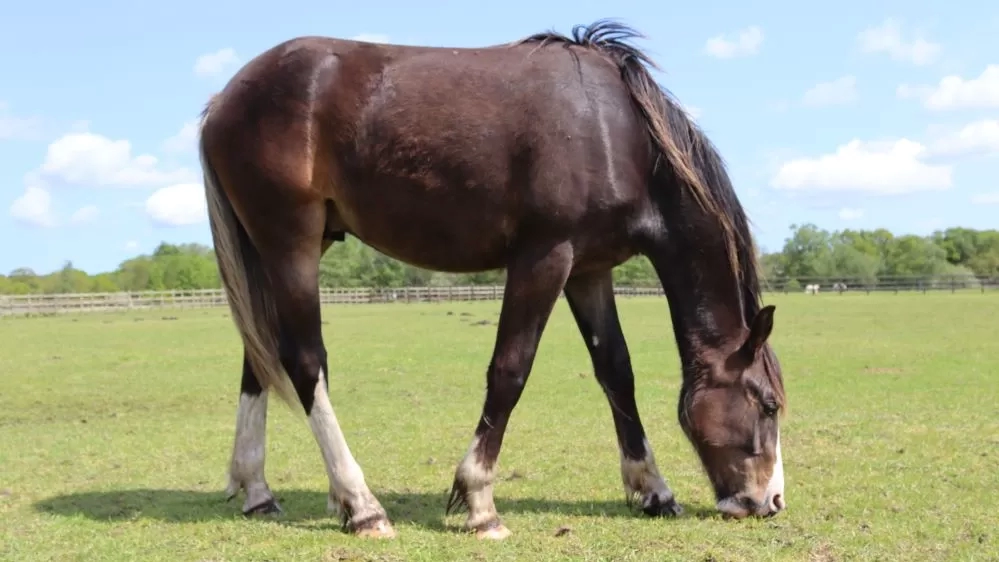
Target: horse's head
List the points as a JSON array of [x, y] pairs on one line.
[[729, 410]]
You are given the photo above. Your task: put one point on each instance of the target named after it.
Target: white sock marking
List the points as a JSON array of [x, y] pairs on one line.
[[345, 475], [643, 477], [479, 481], [246, 468]]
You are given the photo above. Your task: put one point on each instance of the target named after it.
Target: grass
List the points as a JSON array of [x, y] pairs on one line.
[[116, 431]]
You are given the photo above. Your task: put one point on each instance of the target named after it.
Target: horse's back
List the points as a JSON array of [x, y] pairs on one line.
[[500, 139], [455, 149]]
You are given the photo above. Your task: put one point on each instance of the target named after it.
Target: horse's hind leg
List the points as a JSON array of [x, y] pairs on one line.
[[294, 275], [246, 467], [591, 300], [534, 280], [268, 217]]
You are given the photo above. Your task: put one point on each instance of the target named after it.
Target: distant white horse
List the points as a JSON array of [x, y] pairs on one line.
[[812, 289]]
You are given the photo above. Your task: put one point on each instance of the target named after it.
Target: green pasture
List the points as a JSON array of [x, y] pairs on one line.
[[116, 429]]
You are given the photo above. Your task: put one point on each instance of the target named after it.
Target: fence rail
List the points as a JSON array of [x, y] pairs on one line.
[[22, 305]]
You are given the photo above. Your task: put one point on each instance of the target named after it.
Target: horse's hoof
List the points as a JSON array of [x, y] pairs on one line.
[[269, 507], [668, 508], [378, 529], [496, 532]]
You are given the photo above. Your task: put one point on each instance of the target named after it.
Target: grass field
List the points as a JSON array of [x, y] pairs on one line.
[[116, 429]]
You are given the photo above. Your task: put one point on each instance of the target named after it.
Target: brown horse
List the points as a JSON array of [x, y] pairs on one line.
[[557, 158]]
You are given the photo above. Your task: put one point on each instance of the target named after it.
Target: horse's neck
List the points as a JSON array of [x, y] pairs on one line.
[[705, 302]]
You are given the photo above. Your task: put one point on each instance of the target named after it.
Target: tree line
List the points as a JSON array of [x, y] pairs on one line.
[[809, 252], [869, 255]]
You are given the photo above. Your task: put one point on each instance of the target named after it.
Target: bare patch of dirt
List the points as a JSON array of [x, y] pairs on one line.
[[822, 553]]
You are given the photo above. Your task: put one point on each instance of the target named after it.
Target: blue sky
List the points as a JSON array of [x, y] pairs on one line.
[[845, 114]]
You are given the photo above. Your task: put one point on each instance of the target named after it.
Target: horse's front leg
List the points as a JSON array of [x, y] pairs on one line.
[[534, 281], [591, 299]]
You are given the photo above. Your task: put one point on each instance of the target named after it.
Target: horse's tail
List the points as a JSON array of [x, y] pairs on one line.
[[246, 285]]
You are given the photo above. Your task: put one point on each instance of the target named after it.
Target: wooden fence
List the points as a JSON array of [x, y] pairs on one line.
[[21, 305]]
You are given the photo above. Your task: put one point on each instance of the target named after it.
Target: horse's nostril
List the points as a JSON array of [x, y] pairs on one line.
[[777, 502]]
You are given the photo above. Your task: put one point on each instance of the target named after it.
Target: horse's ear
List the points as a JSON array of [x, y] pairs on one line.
[[759, 331]]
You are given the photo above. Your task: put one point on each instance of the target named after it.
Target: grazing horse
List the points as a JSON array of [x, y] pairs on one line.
[[555, 157]]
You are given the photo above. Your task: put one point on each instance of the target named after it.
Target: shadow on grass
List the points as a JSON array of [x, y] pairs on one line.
[[307, 508]]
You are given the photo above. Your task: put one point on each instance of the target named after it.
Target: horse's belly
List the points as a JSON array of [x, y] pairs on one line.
[[442, 230]]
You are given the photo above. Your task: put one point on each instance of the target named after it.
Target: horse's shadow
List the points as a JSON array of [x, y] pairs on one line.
[[307, 508]]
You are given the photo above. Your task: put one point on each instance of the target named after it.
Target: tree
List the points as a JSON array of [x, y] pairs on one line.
[[808, 252]]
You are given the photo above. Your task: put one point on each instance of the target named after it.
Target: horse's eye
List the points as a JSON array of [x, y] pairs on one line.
[[770, 408]]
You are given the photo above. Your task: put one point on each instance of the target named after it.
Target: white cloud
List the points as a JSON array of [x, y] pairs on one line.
[[979, 137], [178, 205], [887, 38], [14, 127], [848, 214], [87, 159], [371, 37], [840, 91], [84, 215], [95, 160], [746, 42], [954, 92], [216, 64], [131, 245], [34, 207], [986, 198], [185, 140], [885, 168]]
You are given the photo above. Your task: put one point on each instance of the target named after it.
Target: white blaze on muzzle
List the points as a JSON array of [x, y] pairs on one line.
[[774, 497]]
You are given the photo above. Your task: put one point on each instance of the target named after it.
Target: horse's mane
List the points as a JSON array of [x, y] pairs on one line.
[[693, 158]]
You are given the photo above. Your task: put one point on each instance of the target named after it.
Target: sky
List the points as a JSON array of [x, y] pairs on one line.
[[847, 114]]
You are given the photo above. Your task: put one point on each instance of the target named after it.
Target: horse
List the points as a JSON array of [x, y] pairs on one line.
[[555, 157]]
